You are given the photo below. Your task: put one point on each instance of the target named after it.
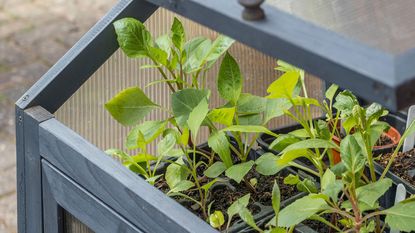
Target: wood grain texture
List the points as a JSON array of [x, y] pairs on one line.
[[29, 180], [83, 205], [126, 193], [20, 172], [52, 212]]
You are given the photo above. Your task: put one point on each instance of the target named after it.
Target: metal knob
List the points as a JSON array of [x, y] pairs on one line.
[[253, 10]]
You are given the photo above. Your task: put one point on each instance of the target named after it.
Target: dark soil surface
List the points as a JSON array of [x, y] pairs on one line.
[[402, 165], [224, 195], [319, 226], [384, 140]]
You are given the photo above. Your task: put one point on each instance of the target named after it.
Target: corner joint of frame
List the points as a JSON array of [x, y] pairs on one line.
[[38, 113]]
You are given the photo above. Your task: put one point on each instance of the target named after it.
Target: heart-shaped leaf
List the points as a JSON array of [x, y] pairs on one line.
[[130, 106]]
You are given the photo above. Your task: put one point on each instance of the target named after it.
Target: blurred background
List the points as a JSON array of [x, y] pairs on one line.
[[34, 34]]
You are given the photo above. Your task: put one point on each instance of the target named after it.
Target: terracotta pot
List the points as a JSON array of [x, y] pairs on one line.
[[392, 133]]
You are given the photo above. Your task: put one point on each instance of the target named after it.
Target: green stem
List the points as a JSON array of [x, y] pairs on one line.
[[304, 168]]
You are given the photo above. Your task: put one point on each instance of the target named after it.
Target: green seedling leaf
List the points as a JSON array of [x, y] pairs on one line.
[[285, 66], [371, 192], [310, 144], [370, 227], [322, 130], [352, 154], [283, 140], [247, 217], [196, 57], [253, 182], [291, 155], [299, 133], [238, 171], [176, 173], [175, 152], [191, 45], [130, 106], [249, 129], [164, 42], [158, 55], [251, 119], [166, 145], [215, 170], [207, 186], [237, 206], [339, 169], [349, 124], [139, 158], [275, 230], [178, 36], [250, 104], [222, 116], [220, 144], [401, 216], [330, 186], [150, 130], [181, 186], [363, 207], [284, 86], [345, 102], [197, 116], [153, 179], [327, 179], [133, 37], [292, 179], [218, 48], [275, 108], [216, 220], [229, 79], [300, 210], [184, 101], [276, 200], [374, 112], [303, 101], [376, 130], [331, 91], [184, 137], [266, 164], [307, 186], [127, 161]]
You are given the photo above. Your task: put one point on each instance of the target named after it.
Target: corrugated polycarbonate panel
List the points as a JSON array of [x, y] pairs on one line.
[[73, 225], [84, 112]]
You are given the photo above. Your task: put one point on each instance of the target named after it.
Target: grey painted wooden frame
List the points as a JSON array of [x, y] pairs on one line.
[[52, 159]]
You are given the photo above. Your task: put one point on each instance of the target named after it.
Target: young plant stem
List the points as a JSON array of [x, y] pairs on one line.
[[163, 74], [320, 219], [353, 200], [293, 164], [194, 175], [395, 153], [370, 157]]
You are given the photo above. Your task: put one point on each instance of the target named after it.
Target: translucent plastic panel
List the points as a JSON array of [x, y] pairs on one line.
[[85, 112], [387, 25], [73, 225]]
